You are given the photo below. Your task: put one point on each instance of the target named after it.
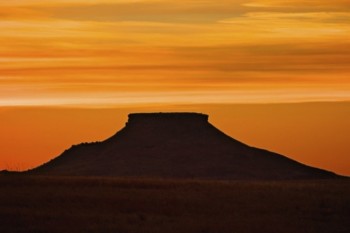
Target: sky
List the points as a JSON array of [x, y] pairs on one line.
[[61, 58]]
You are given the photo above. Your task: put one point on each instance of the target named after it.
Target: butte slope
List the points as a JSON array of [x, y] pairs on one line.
[[175, 145]]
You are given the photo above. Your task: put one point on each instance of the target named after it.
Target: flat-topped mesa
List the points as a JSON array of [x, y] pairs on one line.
[[176, 145], [178, 118]]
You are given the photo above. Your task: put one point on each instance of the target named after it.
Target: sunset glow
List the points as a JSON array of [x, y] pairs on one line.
[[133, 54]]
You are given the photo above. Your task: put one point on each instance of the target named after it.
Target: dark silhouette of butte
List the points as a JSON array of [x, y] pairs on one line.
[[175, 145]]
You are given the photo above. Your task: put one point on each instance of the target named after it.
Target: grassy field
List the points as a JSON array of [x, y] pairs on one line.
[[43, 204]]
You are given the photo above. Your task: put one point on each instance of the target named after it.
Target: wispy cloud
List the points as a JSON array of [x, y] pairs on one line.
[[112, 52]]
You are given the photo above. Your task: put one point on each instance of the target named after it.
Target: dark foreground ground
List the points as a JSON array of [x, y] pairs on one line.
[[42, 204]]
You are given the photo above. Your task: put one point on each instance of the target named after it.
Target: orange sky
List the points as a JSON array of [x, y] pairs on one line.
[[72, 56]]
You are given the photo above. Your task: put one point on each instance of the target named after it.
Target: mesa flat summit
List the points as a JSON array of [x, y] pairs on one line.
[[175, 145]]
